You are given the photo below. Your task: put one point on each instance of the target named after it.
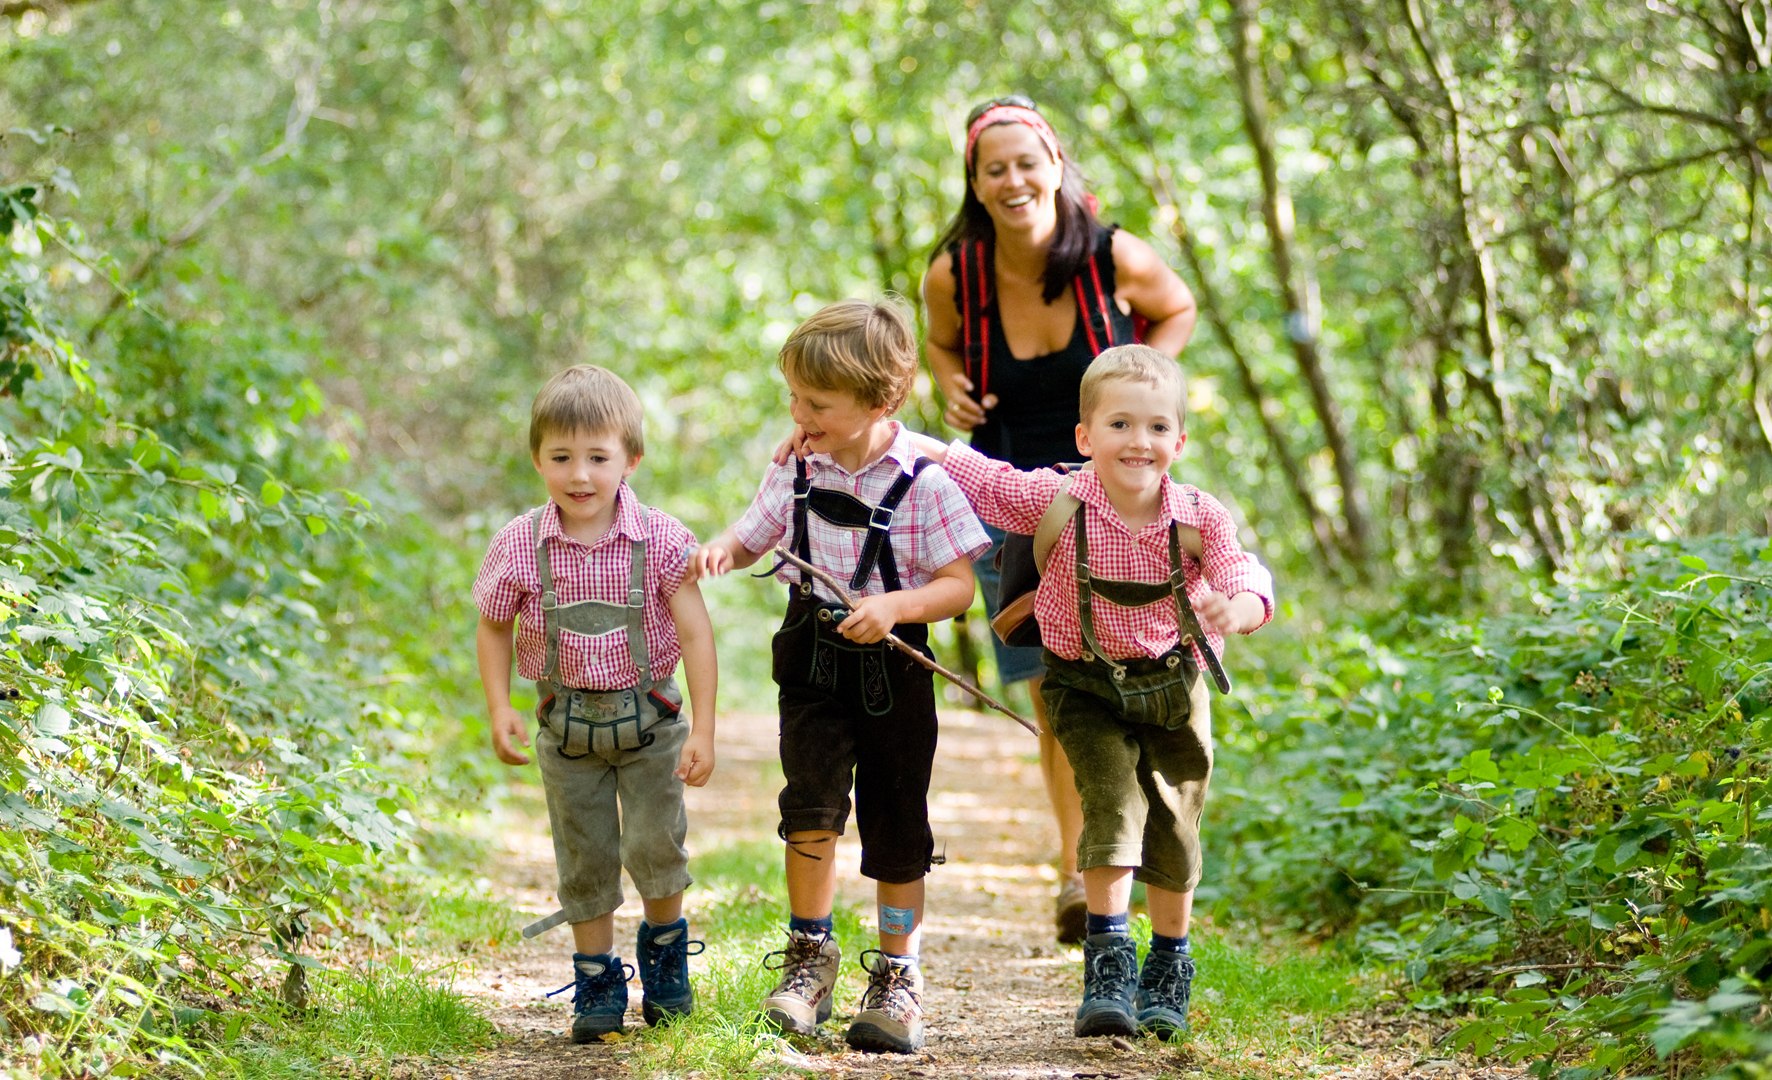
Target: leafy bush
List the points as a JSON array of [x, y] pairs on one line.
[[198, 758], [1558, 819]]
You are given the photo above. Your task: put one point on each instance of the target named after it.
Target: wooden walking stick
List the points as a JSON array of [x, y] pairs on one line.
[[848, 601]]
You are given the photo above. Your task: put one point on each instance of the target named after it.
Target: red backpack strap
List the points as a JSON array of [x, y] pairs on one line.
[[972, 296], [1092, 298]]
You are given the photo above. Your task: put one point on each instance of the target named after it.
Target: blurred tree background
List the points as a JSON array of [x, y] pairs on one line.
[[1484, 361]]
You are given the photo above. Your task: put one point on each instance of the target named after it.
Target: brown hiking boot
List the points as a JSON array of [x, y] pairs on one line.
[[802, 999], [1071, 911], [891, 1016]]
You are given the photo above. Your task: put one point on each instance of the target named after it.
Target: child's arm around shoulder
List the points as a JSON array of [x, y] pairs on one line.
[[1002, 495]]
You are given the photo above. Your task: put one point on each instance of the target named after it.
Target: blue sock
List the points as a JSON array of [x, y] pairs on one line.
[[1105, 924], [1159, 943], [810, 927]]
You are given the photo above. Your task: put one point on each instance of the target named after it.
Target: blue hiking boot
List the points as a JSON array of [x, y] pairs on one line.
[[1163, 990], [1110, 977], [663, 955], [599, 995]]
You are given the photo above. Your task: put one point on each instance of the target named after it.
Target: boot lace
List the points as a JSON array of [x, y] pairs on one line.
[[800, 962], [1111, 972], [590, 992], [1172, 983], [891, 987]]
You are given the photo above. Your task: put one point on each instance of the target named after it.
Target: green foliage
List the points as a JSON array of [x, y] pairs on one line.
[[1558, 819], [195, 770]]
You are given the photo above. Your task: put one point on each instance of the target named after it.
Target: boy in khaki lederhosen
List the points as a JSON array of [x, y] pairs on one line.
[[1128, 622], [597, 585]]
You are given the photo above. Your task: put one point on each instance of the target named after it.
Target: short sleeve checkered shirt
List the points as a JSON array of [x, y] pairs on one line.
[[509, 587], [931, 528], [1014, 500]]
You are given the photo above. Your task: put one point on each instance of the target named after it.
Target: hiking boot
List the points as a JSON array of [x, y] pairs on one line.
[[663, 954], [599, 995], [891, 1016], [1071, 911], [1163, 989], [1110, 977], [802, 999]]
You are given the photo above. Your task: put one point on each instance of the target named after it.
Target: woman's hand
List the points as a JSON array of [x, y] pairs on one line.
[[963, 413]]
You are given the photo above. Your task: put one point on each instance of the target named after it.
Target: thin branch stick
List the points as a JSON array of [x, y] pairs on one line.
[[893, 640]]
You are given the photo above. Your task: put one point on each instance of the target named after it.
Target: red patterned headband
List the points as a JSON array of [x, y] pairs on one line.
[[1011, 114]]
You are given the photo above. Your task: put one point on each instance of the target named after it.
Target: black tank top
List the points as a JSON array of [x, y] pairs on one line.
[[1035, 421]]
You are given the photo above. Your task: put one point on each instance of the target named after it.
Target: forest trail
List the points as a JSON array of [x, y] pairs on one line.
[[1001, 991]]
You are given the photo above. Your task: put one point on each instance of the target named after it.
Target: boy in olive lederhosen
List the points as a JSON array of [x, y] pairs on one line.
[[1145, 579], [597, 585]]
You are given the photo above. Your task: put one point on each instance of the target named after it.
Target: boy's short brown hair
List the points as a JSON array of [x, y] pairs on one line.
[[865, 349], [1133, 363], [587, 398]]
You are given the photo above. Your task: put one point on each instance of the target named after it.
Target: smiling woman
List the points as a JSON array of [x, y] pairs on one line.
[[1025, 289]]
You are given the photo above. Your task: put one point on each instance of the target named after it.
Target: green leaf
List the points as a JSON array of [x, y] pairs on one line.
[[1495, 901], [316, 525], [271, 493], [52, 720]]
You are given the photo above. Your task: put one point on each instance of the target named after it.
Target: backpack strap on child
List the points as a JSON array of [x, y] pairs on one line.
[[845, 511]]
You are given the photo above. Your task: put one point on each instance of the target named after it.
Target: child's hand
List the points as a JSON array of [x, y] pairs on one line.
[[507, 730], [709, 560], [873, 618], [1238, 614], [695, 763], [791, 447]]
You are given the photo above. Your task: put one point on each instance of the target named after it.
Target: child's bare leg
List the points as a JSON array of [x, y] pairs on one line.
[[811, 862], [1170, 911], [596, 937], [901, 934], [1109, 889], [665, 909]]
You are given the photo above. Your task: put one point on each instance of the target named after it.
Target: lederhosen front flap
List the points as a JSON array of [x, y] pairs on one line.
[[1141, 594], [596, 719]]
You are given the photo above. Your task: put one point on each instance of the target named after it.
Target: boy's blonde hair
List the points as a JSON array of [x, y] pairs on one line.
[[1133, 363], [865, 349], [588, 399]]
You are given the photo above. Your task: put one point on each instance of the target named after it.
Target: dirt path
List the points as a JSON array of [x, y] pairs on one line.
[[1000, 990]]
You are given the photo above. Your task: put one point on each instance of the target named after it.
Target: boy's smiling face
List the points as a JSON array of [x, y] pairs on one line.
[[1133, 436], [583, 471], [836, 423]]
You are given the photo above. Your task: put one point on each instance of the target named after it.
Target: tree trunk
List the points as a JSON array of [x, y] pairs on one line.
[[1276, 208]]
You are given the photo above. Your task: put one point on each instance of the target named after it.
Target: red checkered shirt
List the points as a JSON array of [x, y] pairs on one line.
[[509, 586], [931, 528], [1014, 500]]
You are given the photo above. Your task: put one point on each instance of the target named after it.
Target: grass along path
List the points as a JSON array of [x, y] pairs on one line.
[[1000, 991]]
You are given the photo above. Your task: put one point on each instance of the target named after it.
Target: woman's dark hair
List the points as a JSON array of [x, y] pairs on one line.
[[1073, 241]]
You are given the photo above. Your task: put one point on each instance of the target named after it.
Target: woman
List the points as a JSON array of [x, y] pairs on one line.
[[1026, 287]]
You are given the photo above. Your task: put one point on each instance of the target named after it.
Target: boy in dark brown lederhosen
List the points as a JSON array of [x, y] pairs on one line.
[[863, 506]]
